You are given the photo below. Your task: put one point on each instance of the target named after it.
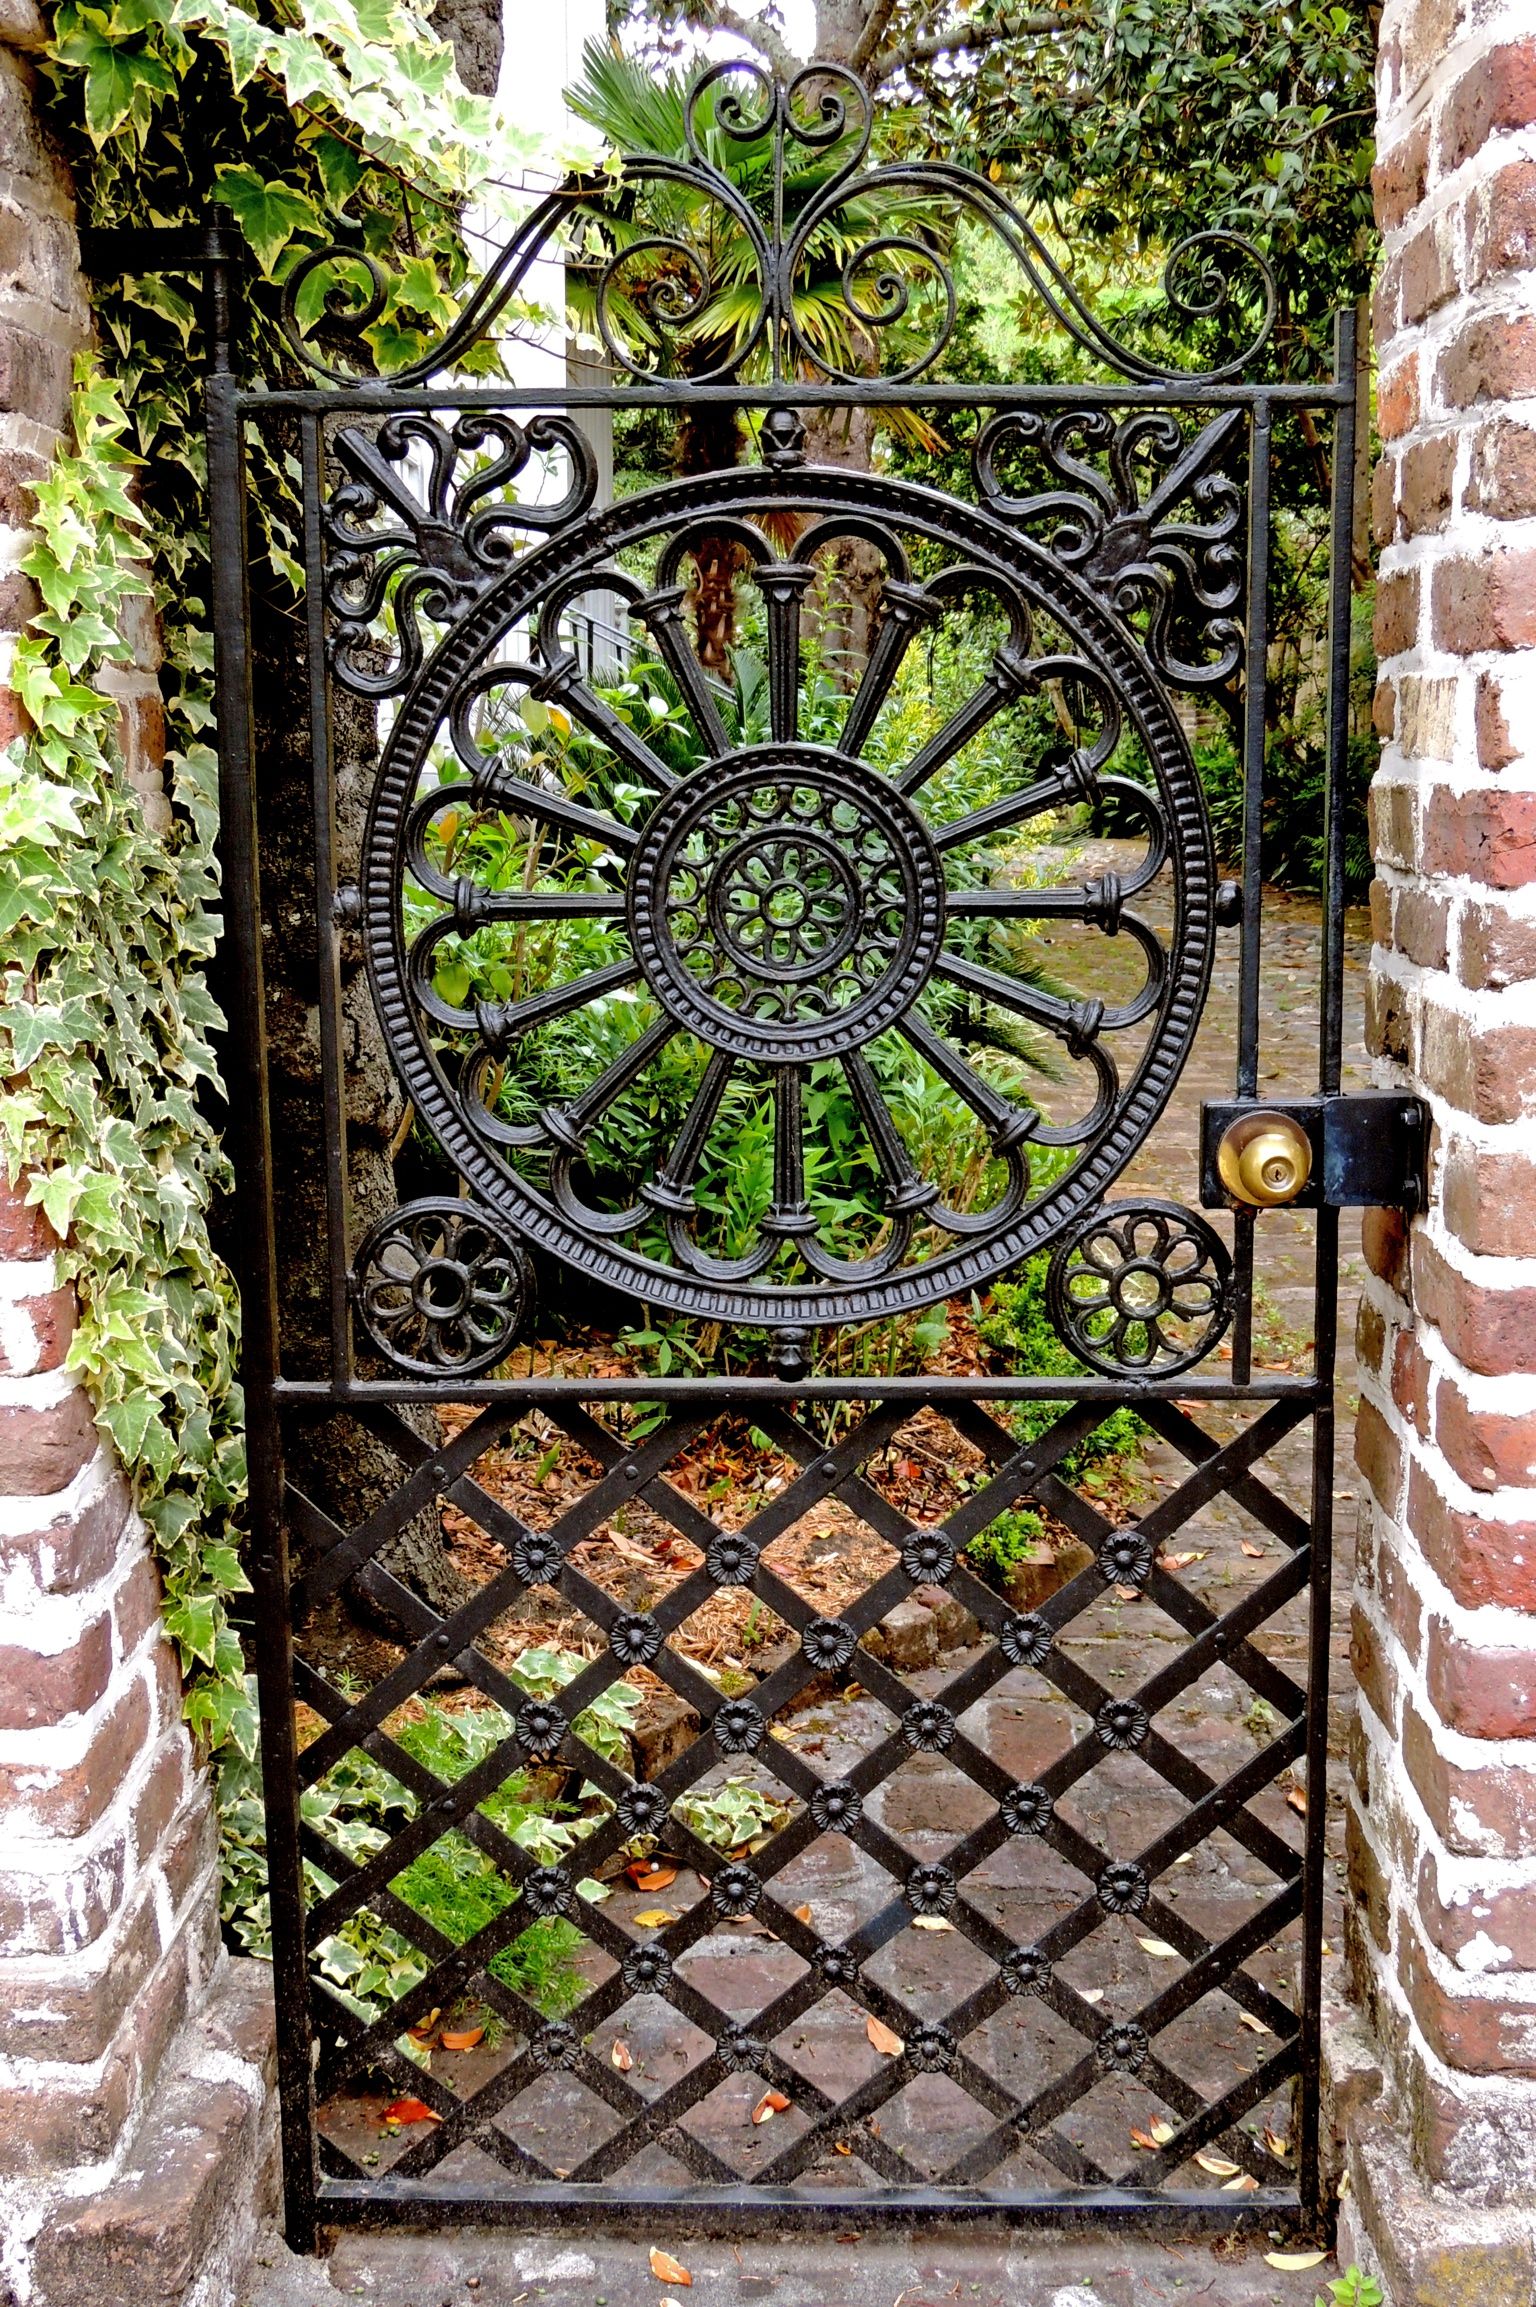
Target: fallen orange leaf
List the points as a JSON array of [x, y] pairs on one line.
[[462, 2038], [621, 2055], [410, 2111], [657, 1878], [1296, 1800], [891, 2046], [1254, 1553], [770, 2104], [654, 1917], [666, 2269], [803, 1913], [1276, 2144]]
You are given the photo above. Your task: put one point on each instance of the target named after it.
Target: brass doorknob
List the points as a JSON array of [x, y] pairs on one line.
[[1264, 1159]]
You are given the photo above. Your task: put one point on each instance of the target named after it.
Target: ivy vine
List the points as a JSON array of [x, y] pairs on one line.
[[290, 112]]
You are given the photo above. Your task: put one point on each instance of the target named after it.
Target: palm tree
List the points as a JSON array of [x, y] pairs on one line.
[[701, 312]]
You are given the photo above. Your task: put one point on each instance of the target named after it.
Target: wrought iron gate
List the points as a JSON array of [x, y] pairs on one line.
[[774, 888]]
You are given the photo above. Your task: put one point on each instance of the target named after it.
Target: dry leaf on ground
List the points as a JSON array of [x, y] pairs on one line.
[[1244, 2184], [1159, 1950], [803, 1913], [1255, 2026], [462, 2038], [1091, 1994], [667, 2270], [1276, 2144], [1295, 1798], [1294, 2262], [654, 1917], [931, 1922], [410, 2111], [891, 2046], [621, 2055], [1254, 1553], [1218, 2166], [770, 2104], [657, 1878]]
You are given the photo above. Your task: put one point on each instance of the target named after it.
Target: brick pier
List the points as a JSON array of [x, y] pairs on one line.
[[1442, 1940]]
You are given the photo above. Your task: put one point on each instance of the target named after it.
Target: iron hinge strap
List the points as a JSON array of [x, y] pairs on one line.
[[1370, 1148]]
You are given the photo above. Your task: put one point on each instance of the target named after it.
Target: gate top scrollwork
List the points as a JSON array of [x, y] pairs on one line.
[[697, 264]]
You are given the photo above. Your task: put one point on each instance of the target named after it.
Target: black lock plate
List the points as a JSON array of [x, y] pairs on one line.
[[1370, 1149]]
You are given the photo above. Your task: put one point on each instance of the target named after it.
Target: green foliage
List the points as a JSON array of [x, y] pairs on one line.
[[104, 1045], [110, 921], [1354, 2288], [1011, 1539], [1018, 1330]]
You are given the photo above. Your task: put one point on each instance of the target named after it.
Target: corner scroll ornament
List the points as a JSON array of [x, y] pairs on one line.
[[426, 518], [1178, 580]]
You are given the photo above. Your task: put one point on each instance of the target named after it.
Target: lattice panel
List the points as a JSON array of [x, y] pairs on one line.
[[1019, 1796]]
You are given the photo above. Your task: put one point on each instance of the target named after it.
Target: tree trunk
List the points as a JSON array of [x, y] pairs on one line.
[[843, 608], [709, 441], [838, 26]]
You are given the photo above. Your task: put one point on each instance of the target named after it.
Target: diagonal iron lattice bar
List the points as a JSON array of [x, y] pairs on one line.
[[841, 1470]]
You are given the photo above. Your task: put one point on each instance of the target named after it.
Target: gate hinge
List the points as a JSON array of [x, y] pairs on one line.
[[1368, 1149], [107, 249]]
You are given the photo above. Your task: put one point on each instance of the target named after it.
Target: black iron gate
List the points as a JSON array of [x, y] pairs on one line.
[[706, 931]]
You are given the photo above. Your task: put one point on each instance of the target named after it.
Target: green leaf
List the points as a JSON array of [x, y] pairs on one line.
[[269, 214]]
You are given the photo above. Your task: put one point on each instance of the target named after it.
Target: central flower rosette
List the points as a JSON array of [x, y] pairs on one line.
[[788, 905]]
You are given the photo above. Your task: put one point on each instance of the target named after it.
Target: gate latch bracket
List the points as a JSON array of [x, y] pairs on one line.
[[1370, 1149]]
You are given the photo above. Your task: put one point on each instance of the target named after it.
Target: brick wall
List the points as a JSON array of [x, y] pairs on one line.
[[1442, 1944], [134, 2102]]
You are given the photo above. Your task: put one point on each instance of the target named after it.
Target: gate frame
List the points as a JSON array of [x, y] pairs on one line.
[[216, 251]]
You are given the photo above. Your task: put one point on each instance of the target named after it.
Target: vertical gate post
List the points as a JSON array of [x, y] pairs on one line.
[[1442, 1935]]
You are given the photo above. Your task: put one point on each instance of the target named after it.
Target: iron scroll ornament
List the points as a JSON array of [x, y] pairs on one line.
[[816, 210], [783, 905]]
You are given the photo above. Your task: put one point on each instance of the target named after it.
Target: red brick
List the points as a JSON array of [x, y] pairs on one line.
[[1397, 399], [1489, 1449], [1425, 31], [1502, 478], [1386, 482], [1479, 1560], [1367, 1883], [52, 1319], [1424, 491], [1380, 899], [1496, 747], [136, 1605], [1487, 1070], [1410, 1381], [1466, 2030], [58, 2125], [1429, 273], [1384, 711], [1419, 927], [1379, 1455], [1488, 1329], [1488, 833], [58, 1914], [24, 1231], [1384, 1244], [1490, 1201], [1398, 178], [1501, 221], [160, 1799], [41, 1451], [1374, 1677], [1397, 612], [34, 376], [72, 2014], [1505, 1917], [20, 601], [1493, 359], [15, 720], [68, 1552], [1486, 603], [39, 1687], [1394, 821], [1484, 1812], [1389, 1015], [1399, 1600], [1498, 948], [1482, 1691], [1370, 1337], [1498, 91], [68, 1802]]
